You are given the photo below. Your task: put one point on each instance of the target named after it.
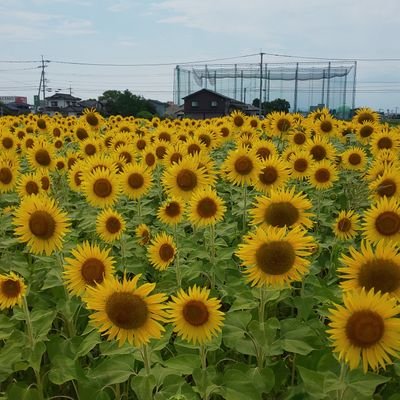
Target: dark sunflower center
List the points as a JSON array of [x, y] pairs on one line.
[[365, 328], [344, 225], [160, 152], [77, 178], [10, 288], [166, 252], [45, 181], [150, 159], [388, 223], [268, 175], [364, 117], [195, 313], [135, 180], [224, 131], [253, 123], [238, 121], [193, 149], [300, 165], [113, 224], [29, 143], [243, 165], [32, 187], [299, 138], [102, 188], [5, 175], [126, 310], [322, 175], [71, 161], [141, 144], [58, 144], [263, 152], [7, 143], [385, 143], [56, 132], [283, 124], [92, 271], [92, 119], [176, 158], [354, 159], [60, 165], [90, 149], [41, 123], [81, 134], [386, 188], [276, 257], [127, 156], [366, 131], [318, 152], [281, 214], [145, 235], [42, 224], [207, 208], [173, 209], [326, 126], [186, 180], [380, 274], [165, 136], [42, 157], [205, 139]]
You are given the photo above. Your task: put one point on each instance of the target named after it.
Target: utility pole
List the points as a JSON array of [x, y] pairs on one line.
[[261, 80], [42, 83]]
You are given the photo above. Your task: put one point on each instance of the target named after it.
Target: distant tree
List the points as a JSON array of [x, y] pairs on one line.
[[271, 106], [144, 114], [124, 103]]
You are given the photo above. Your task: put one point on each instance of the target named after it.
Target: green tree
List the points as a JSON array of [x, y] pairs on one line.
[[124, 103], [271, 106]]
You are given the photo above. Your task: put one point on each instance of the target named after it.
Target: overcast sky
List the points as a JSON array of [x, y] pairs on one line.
[[176, 31]]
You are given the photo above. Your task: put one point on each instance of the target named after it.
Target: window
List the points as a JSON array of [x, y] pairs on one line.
[[195, 103], [214, 103], [54, 104]]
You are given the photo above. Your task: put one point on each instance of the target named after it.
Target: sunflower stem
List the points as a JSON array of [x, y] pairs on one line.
[[146, 359], [212, 254], [203, 356], [28, 323], [139, 208], [177, 265], [342, 385], [261, 307], [244, 207]]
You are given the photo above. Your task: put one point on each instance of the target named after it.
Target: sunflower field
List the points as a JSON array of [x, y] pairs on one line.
[[232, 258]]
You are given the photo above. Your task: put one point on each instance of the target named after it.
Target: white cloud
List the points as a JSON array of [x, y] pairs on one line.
[[74, 27], [118, 6]]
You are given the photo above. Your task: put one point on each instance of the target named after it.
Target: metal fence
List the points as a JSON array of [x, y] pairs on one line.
[[305, 85]]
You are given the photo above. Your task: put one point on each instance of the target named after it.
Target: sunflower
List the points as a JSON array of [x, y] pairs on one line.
[[325, 125], [75, 177], [161, 148], [136, 181], [299, 164], [41, 155], [110, 225], [8, 176], [90, 266], [142, 233], [194, 146], [125, 311], [149, 157], [12, 290], [82, 131], [365, 131], [241, 167], [280, 123], [196, 316], [273, 173], [7, 142], [182, 179], [161, 251], [264, 149], [101, 187], [365, 329], [370, 268], [28, 184], [283, 208], [41, 224], [237, 119], [346, 225], [365, 115], [298, 137], [386, 185], [275, 256], [323, 175], [354, 159], [386, 139], [382, 221], [92, 118], [171, 212], [320, 148], [174, 155], [90, 147], [206, 208]]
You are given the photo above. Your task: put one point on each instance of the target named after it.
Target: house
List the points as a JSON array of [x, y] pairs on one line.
[[206, 103], [61, 100]]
